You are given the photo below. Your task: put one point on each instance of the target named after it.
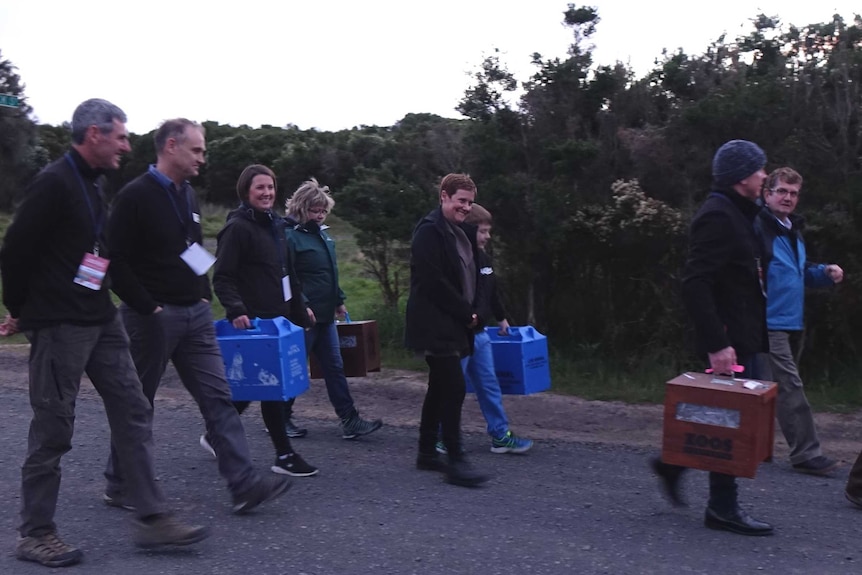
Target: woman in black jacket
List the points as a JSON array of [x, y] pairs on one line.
[[440, 321], [251, 261]]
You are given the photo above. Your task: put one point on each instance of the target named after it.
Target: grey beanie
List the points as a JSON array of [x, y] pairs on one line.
[[735, 161]]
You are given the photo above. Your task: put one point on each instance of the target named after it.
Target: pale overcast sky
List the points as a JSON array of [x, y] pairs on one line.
[[328, 64]]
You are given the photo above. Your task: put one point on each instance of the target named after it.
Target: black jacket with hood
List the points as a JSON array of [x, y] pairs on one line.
[[251, 260]]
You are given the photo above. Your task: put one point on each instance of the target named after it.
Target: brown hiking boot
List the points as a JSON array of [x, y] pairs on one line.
[[49, 550], [164, 529], [264, 491]]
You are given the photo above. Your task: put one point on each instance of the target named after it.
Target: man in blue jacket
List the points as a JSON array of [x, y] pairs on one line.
[[788, 274]]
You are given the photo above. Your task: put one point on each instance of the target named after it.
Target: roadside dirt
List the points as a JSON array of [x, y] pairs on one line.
[[396, 397]]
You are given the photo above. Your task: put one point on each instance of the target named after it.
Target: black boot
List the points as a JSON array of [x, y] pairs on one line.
[[459, 472], [735, 520], [670, 476], [430, 462]]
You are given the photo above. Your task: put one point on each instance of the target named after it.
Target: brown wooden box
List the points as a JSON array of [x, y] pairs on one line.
[[716, 424], [360, 349]]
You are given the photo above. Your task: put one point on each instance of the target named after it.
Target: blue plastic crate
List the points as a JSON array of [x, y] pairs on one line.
[[265, 363], [520, 360]]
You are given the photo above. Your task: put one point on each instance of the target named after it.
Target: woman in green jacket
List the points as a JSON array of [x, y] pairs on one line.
[[313, 254]]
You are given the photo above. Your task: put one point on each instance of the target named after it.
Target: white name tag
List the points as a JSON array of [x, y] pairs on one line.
[[196, 218], [285, 288], [198, 259]]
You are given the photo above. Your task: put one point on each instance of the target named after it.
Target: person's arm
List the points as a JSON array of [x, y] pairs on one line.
[[427, 257], [823, 275], [125, 238], [228, 267], [709, 252], [25, 238]]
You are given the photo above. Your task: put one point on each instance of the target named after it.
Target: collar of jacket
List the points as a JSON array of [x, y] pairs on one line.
[[257, 216], [436, 217], [83, 167], [797, 223], [749, 208]]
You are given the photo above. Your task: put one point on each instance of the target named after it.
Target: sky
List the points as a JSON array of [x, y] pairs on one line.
[[330, 64]]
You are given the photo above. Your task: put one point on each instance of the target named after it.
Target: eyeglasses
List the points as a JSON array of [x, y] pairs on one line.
[[785, 192], [318, 211]]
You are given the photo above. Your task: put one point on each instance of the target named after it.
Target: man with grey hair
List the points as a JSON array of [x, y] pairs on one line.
[[53, 263], [159, 272]]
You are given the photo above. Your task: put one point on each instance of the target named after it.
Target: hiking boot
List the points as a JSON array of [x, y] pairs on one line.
[[430, 462], [164, 529], [48, 549], [293, 465], [117, 501], [207, 447], [510, 443], [820, 465], [293, 431], [264, 491], [460, 472], [354, 426]]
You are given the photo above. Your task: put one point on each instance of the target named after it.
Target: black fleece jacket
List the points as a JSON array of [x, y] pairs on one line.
[[251, 259], [53, 228], [149, 227]]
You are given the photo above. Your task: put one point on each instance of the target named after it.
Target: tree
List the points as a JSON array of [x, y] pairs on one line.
[[18, 162]]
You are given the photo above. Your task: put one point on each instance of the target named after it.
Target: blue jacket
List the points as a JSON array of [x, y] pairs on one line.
[[788, 272]]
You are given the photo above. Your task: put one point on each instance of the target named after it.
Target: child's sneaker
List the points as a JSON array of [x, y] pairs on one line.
[[441, 449], [293, 465], [510, 443]]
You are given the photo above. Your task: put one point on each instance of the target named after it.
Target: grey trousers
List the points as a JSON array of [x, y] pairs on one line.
[[793, 410], [59, 357], [185, 335]]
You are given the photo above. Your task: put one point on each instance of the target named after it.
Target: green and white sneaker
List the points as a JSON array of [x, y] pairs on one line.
[[510, 443]]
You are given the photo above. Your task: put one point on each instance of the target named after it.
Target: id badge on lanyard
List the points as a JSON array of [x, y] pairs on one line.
[[91, 272]]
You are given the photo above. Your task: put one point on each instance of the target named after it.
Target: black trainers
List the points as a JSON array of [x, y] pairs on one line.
[[293, 465], [354, 426], [117, 501], [264, 491], [164, 529], [48, 550], [293, 431], [820, 465]]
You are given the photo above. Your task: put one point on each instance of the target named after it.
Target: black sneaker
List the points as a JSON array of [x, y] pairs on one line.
[[293, 465], [293, 431], [354, 426], [264, 491], [820, 465], [460, 472], [117, 501]]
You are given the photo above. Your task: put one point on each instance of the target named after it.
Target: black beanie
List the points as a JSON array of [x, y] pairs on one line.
[[735, 161]]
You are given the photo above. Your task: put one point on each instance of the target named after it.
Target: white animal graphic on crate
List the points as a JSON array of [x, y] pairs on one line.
[[235, 373], [267, 378]]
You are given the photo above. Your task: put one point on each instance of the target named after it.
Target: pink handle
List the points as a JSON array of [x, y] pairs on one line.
[[736, 369]]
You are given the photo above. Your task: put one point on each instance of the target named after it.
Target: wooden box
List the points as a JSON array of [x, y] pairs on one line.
[[718, 423], [360, 349]]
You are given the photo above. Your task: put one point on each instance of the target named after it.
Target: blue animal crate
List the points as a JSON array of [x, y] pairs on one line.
[[520, 360], [265, 363]]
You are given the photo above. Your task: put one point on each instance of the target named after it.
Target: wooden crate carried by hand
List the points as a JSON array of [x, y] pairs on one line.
[[718, 423], [360, 349]]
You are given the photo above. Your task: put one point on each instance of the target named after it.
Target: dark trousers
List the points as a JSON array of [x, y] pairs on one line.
[[722, 487], [441, 409], [185, 335], [274, 419], [59, 356]]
